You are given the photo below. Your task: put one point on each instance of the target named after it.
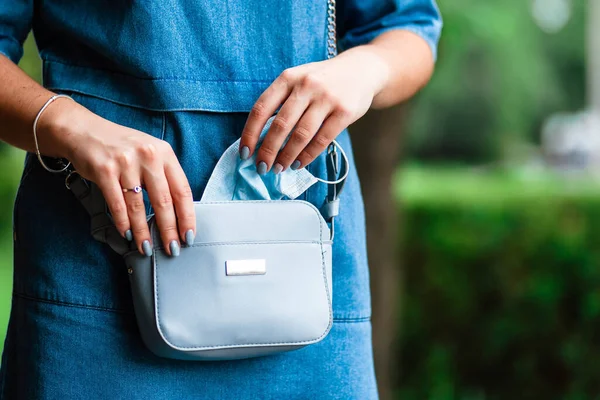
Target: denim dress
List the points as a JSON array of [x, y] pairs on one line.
[[187, 72]]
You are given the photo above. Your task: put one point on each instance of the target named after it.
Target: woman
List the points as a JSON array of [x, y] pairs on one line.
[[161, 89]]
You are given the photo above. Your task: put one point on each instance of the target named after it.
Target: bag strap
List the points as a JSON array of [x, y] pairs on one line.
[[102, 226], [331, 205], [331, 30], [336, 175]]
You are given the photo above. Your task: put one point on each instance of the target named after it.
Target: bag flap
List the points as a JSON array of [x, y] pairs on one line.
[[258, 274]]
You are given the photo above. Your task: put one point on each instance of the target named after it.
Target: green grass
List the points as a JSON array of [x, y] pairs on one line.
[[485, 188]]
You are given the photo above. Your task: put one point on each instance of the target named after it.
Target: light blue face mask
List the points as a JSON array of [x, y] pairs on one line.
[[237, 179]]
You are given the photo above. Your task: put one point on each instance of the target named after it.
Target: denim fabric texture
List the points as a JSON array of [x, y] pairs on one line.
[[187, 72], [209, 55]]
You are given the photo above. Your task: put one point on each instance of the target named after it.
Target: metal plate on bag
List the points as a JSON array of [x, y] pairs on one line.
[[245, 267]]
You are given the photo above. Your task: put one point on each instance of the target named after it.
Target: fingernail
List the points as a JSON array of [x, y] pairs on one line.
[[147, 248], [262, 168], [277, 168], [174, 246], [189, 237], [128, 235], [244, 153], [295, 165]]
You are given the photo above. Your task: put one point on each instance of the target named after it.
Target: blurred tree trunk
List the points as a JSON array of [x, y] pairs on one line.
[[376, 141]]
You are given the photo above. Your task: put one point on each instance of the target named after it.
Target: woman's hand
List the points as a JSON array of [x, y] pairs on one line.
[[115, 157], [320, 100]]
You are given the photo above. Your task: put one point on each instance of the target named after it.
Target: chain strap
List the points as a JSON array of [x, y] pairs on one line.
[[331, 30]]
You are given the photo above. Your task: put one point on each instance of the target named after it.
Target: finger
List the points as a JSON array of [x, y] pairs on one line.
[[302, 135], [330, 129], [113, 194], [280, 128], [264, 108], [160, 197], [136, 211], [183, 201]]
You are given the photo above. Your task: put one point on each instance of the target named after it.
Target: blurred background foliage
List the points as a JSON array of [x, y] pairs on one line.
[[500, 263], [497, 78]]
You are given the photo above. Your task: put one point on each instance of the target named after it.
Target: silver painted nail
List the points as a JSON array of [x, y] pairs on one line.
[[147, 248], [244, 153], [174, 246], [295, 165], [128, 235], [277, 168], [189, 237], [262, 168]]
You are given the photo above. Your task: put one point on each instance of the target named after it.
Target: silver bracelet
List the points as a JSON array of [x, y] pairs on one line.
[[35, 122]]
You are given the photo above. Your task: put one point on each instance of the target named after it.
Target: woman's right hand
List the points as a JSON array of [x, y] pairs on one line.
[[116, 157]]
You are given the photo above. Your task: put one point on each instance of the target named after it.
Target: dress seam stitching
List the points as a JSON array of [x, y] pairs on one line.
[[352, 320], [150, 78], [122, 311], [69, 304]]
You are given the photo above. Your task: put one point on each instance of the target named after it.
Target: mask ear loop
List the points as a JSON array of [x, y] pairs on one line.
[[331, 205], [346, 164]]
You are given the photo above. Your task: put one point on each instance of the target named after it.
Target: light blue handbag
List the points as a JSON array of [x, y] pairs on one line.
[[257, 280]]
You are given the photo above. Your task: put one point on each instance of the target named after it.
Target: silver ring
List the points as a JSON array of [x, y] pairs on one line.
[[135, 189]]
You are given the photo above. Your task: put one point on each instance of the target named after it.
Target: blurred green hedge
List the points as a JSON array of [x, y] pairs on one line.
[[502, 286]]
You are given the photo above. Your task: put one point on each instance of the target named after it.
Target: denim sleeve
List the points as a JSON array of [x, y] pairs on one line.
[[360, 21], [15, 24]]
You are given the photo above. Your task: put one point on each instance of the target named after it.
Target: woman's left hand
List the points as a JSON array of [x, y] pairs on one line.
[[320, 99]]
